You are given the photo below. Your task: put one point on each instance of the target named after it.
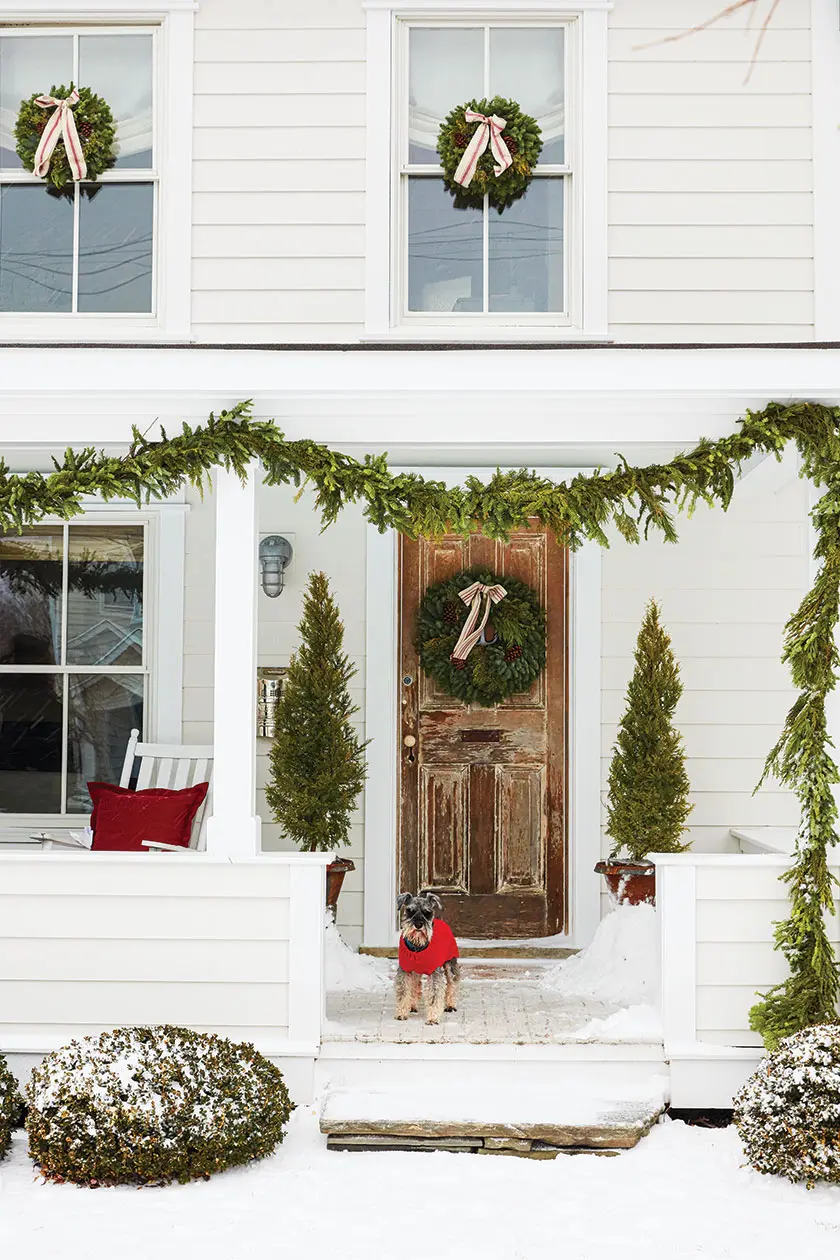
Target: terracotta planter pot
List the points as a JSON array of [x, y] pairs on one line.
[[629, 883], [336, 871]]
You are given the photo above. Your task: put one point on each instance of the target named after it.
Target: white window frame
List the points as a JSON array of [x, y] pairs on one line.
[[163, 626], [173, 23], [586, 212]]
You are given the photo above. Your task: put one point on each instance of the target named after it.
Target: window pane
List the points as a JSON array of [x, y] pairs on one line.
[[103, 712], [29, 64], [119, 68], [446, 68], [36, 249], [30, 743], [105, 595], [115, 248], [526, 65], [526, 251], [444, 251], [30, 597]]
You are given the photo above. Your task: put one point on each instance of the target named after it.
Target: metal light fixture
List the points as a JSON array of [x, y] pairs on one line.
[[275, 553]]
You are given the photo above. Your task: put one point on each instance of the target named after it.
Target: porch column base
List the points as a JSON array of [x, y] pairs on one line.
[[234, 837]]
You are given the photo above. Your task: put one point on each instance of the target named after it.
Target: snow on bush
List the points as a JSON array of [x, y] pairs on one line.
[[153, 1105], [621, 963], [788, 1112], [345, 969], [11, 1106]]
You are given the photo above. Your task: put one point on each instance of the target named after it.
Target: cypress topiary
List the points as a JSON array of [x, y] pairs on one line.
[[317, 760], [648, 784]]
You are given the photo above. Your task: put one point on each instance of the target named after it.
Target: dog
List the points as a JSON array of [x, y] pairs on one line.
[[427, 948]]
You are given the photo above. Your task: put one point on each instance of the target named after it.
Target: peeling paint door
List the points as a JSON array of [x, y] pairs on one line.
[[482, 792]]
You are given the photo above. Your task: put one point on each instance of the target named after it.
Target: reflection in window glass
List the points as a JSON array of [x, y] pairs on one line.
[[28, 64], [115, 248], [526, 251], [444, 251], [526, 65], [36, 249], [119, 68], [30, 743], [30, 597], [105, 595], [446, 68], [102, 713]]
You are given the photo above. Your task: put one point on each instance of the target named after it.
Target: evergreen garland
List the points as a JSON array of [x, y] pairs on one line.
[[492, 671], [317, 760], [648, 784], [523, 139], [94, 123], [635, 501]]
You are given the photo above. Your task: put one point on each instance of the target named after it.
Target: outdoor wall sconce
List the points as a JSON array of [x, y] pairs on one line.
[[275, 553]]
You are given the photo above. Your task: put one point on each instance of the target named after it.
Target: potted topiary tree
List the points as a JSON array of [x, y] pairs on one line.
[[648, 785], [317, 759]]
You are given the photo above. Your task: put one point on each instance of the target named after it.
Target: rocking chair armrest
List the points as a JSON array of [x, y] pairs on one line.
[[161, 847], [66, 841]]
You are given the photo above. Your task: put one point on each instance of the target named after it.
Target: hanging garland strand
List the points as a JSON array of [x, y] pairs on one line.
[[635, 501]]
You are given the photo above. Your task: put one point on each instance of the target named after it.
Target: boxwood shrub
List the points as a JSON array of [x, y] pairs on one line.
[[11, 1106], [153, 1105], [788, 1112]]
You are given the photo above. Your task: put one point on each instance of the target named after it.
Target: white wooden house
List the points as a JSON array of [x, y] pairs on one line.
[[275, 229]]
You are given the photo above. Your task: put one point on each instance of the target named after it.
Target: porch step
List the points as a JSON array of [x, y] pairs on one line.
[[521, 1120]]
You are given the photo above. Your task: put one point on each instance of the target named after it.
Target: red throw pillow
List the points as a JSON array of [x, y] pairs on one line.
[[122, 819]]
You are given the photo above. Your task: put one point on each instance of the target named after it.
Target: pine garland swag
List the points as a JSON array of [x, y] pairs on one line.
[[94, 123], [521, 135], [633, 501], [493, 671]]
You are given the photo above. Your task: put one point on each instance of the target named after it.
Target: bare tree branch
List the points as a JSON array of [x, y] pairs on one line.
[[729, 11]]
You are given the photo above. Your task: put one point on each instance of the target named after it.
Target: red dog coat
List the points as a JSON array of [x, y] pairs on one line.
[[442, 948]]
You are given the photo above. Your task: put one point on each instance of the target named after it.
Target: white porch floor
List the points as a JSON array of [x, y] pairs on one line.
[[500, 1003]]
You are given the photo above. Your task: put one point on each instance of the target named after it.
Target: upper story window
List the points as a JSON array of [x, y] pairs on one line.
[[88, 248], [477, 262]]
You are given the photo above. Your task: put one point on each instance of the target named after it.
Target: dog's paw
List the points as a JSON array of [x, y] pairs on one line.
[[400, 1017], [414, 1010], [432, 1021], [449, 1009]]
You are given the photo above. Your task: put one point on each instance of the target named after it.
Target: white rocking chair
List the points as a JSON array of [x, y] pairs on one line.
[[173, 766]]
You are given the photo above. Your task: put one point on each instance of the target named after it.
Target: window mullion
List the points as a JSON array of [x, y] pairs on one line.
[[77, 196], [485, 255], [65, 681]]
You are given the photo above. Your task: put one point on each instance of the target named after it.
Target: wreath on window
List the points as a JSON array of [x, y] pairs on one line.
[[66, 135], [481, 637], [488, 147]]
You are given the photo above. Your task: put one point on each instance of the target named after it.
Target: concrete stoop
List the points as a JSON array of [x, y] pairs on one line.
[[524, 1122]]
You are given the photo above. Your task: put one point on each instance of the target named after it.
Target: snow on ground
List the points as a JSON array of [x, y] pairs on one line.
[[345, 969], [682, 1194], [621, 963], [632, 1023]]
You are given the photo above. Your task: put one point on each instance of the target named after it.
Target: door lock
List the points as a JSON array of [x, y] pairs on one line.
[[409, 741]]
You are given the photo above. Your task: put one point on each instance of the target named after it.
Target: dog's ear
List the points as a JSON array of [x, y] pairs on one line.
[[402, 899], [435, 900]]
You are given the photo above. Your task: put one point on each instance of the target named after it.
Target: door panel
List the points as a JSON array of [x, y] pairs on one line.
[[482, 817]]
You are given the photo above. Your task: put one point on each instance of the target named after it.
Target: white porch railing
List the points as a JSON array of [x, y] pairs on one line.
[[717, 913], [235, 946]]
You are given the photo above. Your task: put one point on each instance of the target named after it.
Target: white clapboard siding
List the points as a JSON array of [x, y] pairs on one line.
[[723, 43], [705, 144], [680, 15]]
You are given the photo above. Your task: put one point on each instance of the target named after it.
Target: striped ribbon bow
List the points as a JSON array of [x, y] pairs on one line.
[[472, 629], [61, 123], [489, 132]]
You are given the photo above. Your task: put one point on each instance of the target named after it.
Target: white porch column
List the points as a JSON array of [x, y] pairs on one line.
[[234, 830]]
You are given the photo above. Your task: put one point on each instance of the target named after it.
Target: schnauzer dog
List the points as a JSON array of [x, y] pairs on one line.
[[427, 948]]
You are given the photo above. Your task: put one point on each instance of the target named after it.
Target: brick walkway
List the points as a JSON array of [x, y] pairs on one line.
[[499, 1003]]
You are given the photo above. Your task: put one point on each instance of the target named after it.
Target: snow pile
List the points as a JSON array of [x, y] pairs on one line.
[[620, 965], [152, 1105], [345, 969], [788, 1112], [632, 1023]]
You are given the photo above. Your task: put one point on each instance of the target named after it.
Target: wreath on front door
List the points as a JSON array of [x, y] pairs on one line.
[[488, 147], [481, 636]]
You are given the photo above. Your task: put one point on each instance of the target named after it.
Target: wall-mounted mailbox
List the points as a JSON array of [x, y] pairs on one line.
[[269, 689]]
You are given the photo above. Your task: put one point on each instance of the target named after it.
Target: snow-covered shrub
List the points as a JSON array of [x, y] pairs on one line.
[[11, 1106], [153, 1105], [788, 1112]]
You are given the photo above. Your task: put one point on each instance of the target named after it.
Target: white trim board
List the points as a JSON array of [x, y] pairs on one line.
[[825, 131], [381, 707]]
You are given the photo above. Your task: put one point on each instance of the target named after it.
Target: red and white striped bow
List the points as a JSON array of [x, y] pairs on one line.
[[472, 630], [61, 123], [489, 132]]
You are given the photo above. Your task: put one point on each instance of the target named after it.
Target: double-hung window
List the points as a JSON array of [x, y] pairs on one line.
[[462, 263], [89, 248]]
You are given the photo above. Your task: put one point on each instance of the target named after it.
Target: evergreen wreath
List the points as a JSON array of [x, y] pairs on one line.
[[521, 135], [493, 671], [94, 123]]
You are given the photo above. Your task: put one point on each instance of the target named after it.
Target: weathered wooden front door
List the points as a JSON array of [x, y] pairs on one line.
[[482, 817]]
